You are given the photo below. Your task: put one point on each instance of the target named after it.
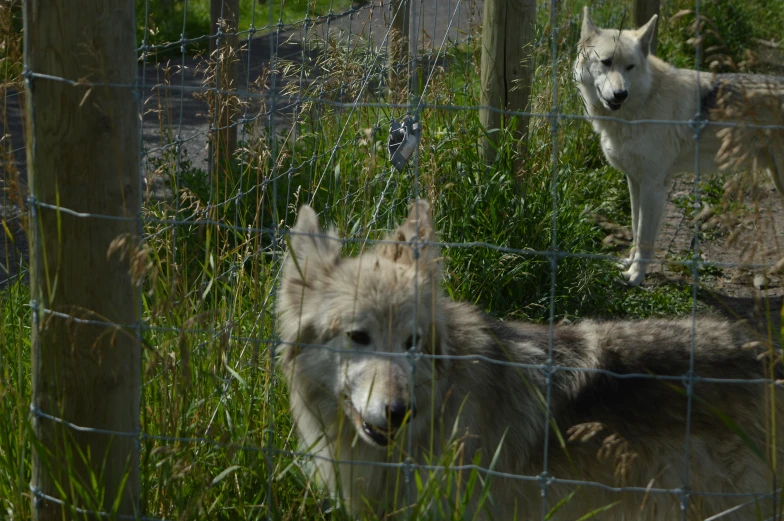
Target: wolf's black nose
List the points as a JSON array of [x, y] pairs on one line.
[[396, 412], [620, 95]]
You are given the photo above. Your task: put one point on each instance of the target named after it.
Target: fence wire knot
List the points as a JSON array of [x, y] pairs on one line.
[[408, 469], [38, 495], [545, 480], [698, 124], [684, 493]]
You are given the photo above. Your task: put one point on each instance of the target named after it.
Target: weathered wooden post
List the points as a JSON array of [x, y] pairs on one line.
[[224, 15], [506, 71], [83, 156], [642, 10], [399, 49]]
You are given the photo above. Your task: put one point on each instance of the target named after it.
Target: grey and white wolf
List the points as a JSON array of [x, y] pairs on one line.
[[390, 379], [620, 80]]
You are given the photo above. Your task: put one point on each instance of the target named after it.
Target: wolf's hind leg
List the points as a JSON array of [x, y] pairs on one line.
[[776, 165]]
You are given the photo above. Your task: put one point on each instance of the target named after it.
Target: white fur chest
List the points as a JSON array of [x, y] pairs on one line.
[[637, 148], [624, 146]]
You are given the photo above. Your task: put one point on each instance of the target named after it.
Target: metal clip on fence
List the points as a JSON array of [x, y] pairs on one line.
[[403, 139]]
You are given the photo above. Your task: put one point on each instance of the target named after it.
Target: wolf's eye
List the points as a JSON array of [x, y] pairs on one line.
[[607, 62], [409, 343], [359, 337], [629, 67]]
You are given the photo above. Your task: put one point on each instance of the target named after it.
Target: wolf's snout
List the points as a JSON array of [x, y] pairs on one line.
[[397, 411], [380, 432], [620, 95]]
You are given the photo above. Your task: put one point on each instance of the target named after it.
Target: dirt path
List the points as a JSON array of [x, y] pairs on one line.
[[747, 289]]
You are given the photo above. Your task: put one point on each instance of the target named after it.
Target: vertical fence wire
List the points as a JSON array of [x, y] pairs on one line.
[[548, 369], [139, 328], [36, 242], [695, 273]]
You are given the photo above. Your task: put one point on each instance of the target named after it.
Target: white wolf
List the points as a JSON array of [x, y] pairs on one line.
[[621, 81], [389, 378]]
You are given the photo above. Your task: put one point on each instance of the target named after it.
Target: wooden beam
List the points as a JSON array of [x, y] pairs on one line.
[[399, 50], [83, 155], [506, 68], [642, 11]]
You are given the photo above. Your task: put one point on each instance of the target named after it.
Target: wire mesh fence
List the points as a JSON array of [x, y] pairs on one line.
[[312, 107]]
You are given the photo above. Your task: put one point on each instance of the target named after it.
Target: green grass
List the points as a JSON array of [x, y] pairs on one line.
[[15, 400], [730, 29], [207, 292], [169, 20]]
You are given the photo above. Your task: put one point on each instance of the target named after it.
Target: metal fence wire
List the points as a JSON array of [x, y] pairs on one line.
[[312, 109]]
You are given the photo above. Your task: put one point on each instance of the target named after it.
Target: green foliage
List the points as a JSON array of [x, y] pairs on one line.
[[160, 22], [730, 29], [167, 21], [15, 400], [659, 301]]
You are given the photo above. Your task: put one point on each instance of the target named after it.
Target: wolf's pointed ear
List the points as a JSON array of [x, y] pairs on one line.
[[311, 251], [311, 257], [646, 33], [589, 28], [418, 235], [419, 223]]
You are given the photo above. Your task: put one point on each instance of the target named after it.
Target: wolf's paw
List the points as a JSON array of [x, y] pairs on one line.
[[634, 275], [625, 263]]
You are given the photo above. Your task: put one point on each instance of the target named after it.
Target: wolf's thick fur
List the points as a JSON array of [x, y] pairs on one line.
[[618, 78], [347, 326]]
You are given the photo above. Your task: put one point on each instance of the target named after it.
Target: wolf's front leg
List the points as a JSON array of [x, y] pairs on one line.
[[634, 197], [650, 213]]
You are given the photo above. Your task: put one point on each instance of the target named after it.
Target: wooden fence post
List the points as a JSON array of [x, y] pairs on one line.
[[399, 50], [83, 156], [223, 142], [642, 10], [506, 67]]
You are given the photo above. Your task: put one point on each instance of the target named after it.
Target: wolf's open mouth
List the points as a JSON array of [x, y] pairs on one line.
[[612, 105], [371, 433], [375, 434]]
